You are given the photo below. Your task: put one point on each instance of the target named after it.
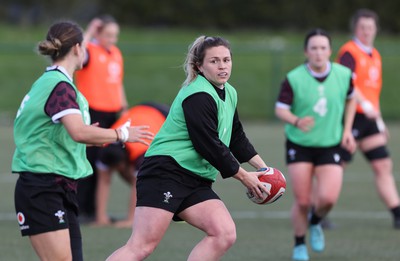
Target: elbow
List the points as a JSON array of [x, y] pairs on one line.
[[277, 113], [281, 113], [78, 137]]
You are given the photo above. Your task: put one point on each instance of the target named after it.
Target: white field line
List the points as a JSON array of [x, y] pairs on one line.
[[9, 178], [286, 214], [244, 215]]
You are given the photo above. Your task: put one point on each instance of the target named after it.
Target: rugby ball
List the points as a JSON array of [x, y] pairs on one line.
[[275, 182]]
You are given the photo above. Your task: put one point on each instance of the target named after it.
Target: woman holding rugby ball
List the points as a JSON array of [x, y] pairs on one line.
[[201, 137]]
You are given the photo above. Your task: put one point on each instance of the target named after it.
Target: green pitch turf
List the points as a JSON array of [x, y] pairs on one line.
[[363, 226]]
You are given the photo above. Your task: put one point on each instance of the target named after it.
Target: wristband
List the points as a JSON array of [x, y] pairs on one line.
[[116, 131], [124, 131]]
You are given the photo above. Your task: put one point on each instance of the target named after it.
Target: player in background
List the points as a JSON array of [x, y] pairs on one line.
[[125, 159], [312, 101], [51, 130], [360, 55], [101, 82], [201, 137]]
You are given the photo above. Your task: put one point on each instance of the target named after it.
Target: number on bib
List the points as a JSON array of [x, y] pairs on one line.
[[321, 107]]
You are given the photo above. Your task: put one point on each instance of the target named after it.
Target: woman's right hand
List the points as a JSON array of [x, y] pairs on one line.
[[126, 133], [140, 134], [251, 182], [306, 123]]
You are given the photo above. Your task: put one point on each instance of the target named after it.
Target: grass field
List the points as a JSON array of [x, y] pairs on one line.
[[363, 233], [261, 59], [153, 59]]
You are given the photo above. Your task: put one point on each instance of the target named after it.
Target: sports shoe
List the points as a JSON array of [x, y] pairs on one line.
[[317, 240], [300, 253]]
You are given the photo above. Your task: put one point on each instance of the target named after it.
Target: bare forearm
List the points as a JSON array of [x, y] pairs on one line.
[[286, 116], [90, 134], [257, 162], [349, 114], [96, 135]]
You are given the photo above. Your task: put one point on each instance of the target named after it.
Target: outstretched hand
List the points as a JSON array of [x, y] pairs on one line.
[[135, 133], [140, 134]]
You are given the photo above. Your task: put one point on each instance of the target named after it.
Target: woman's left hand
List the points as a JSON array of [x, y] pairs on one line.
[[348, 142]]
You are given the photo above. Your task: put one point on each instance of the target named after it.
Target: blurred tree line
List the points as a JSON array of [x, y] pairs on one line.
[[221, 14]]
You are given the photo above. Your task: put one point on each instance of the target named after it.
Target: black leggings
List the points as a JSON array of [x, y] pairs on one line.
[[75, 237]]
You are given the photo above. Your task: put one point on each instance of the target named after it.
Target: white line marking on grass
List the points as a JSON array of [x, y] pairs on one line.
[[365, 215], [286, 214]]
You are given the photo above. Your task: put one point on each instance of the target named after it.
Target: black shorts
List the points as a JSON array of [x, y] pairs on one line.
[[362, 128], [316, 155], [46, 202], [169, 190]]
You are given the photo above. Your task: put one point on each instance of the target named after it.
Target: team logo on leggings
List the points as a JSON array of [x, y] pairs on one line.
[[336, 157], [60, 214], [292, 154], [167, 196]]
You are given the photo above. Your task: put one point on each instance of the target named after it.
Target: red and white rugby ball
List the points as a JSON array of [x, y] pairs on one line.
[[275, 182]]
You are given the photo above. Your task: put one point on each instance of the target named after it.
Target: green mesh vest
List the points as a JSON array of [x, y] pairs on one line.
[[325, 101], [41, 145], [173, 138]]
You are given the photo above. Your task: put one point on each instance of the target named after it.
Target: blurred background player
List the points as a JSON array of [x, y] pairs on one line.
[[360, 55], [312, 101], [125, 159], [101, 82]]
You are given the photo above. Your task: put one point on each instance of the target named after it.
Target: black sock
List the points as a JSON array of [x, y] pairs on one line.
[[314, 218], [299, 240], [396, 212]]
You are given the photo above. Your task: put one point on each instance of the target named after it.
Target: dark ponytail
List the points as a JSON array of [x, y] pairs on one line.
[[61, 37]]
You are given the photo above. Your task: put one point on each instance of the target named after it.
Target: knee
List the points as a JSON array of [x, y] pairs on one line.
[[327, 203], [230, 238], [304, 205], [382, 167], [226, 237], [139, 251]]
